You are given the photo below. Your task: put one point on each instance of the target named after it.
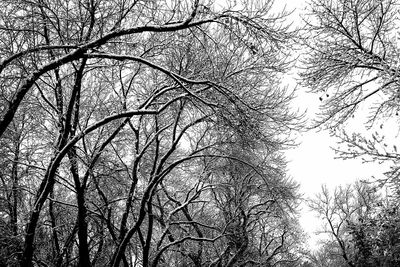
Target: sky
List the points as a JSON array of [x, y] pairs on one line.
[[313, 163]]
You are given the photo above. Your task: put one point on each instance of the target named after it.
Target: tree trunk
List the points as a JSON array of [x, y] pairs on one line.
[[84, 259]]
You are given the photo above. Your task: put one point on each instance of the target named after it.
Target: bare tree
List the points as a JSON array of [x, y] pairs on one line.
[[352, 57], [340, 211], [125, 96], [352, 62]]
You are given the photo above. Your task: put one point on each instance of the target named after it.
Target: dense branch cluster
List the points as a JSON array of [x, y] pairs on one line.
[[353, 58], [144, 133]]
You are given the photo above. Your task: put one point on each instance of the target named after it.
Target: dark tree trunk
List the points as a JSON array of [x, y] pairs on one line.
[[84, 259]]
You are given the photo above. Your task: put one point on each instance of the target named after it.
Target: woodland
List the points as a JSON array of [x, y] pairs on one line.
[[152, 133]]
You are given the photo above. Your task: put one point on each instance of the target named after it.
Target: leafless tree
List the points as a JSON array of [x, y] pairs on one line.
[[352, 57], [121, 96], [352, 62], [346, 206]]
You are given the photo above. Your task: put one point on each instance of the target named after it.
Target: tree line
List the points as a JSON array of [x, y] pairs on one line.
[[152, 133]]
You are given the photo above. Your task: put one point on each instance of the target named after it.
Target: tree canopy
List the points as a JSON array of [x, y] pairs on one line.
[[152, 133]]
